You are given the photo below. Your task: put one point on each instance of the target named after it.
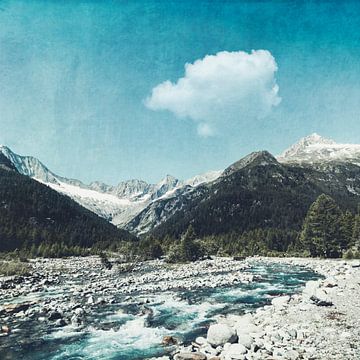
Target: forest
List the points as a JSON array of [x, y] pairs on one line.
[[326, 232], [33, 216]]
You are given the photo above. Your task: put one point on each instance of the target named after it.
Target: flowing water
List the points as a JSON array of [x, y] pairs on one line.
[[124, 331]]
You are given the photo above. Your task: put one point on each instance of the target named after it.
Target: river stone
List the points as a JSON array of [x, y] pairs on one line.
[[235, 351], [15, 308], [245, 326], [169, 340], [200, 340], [246, 340], [190, 356], [55, 315], [219, 334], [280, 301], [5, 329], [321, 298], [292, 355], [310, 288]]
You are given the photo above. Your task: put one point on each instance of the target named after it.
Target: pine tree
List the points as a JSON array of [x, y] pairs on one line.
[[33, 251], [322, 232], [189, 248], [355, 240], [347, 228]]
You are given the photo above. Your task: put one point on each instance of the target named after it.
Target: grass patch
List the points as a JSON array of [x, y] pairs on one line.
[[10, 268]]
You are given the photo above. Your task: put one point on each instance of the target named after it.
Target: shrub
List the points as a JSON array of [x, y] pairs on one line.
[[348, 254], [10, 268], [105, 261]]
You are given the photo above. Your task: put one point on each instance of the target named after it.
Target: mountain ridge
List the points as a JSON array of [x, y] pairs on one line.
[[140, 207], [116, 203]]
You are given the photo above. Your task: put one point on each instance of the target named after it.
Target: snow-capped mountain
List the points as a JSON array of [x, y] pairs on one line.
[[118, 204], [139, 206], [315, 149]]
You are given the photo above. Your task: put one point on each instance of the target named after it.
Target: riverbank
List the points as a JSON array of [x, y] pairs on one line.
[[76, 307], [323, 322]]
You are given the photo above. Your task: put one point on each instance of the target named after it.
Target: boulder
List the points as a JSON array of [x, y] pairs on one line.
[[235, 351], [292, 355], [5, 329], [310, 288], [321, 298], [60, 322], [200, 340], [280, 301], [330, 282], [246, 326], [246, 340], [219, 334], [169, 340], [190, 356], [15, 308], [55, 315]]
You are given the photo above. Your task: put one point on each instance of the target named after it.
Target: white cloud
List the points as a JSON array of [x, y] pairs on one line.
[[222, 89]]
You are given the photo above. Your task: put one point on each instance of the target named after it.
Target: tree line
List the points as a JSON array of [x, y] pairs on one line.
[[326, 232]]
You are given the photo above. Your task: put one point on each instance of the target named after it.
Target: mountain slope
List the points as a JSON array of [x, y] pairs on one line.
[[260, 192], [31, 213], [118, 204]]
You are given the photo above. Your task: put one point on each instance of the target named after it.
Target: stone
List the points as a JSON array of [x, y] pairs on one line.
[[280, 301], [219, 334], [235, 351], [75, 320], [55, 315], [169, 340], [292, 355], [320, 298], [246, 340], [79, 311], [15, 308], [200, 340], [330, 282], [5, 329], [245, 326], [60, 322], [190, 356]]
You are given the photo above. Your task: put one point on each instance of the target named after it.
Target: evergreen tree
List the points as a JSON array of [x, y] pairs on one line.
[[33, 251], [355, 241], [322, 231], [190, 250], [347, 228]]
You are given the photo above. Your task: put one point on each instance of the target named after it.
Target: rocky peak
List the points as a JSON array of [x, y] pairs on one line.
[[316, 149], [262, 158]]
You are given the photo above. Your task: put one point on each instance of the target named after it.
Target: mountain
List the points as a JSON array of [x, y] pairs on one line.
[[118, 204], [32, 213], [315, 149], [259, 192]]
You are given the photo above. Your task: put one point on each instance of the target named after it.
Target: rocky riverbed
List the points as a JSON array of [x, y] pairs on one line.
[[322, 322], [76, 309]]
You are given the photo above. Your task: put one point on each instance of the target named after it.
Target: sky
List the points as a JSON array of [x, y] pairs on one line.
[[115, 90]]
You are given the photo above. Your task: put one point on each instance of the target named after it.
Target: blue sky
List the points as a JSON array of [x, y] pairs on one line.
[[77, 78]]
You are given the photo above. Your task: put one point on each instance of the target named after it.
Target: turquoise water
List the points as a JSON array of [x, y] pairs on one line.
[[132, 328]]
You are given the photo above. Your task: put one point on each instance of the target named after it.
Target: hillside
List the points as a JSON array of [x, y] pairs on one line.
[[258, 192], [32, 213]]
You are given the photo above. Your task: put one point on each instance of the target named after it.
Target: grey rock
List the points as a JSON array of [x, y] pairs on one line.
[[219, 334], [190, 356]]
